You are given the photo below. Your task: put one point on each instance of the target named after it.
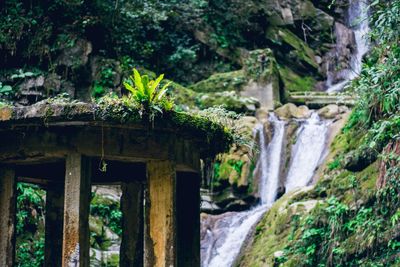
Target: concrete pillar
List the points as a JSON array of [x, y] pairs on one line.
[[77, 193], [188, 219], [54, 225], [7, 216], [160, 215], [131, 250]]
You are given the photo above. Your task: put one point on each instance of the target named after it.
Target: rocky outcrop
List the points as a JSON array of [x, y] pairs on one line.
[[336, 63], [331, 111], [233, 187], [291, 111]]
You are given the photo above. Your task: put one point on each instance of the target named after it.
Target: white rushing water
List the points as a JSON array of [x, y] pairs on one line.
[[237, 225], [307, 152], [238, 228], [358, 14], [226, 239], [270, 160]]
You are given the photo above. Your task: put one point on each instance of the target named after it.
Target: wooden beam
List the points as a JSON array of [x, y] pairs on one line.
[[8, 190], [131, 250], [76, 211], [160, 215], [54, 225]]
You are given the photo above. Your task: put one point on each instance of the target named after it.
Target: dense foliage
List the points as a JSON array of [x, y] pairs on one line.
[[30, 225], [355, 227], [104, 213], [158, 35]]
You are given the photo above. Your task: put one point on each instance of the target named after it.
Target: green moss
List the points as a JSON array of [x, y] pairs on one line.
[[228, 81], [184, 98], [298, 48], [225, 171], [229, 100], [294, 82], [271, 233]]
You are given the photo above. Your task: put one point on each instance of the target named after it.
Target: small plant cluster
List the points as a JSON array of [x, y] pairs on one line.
[[146, 98], [9, 86], [150, 98]]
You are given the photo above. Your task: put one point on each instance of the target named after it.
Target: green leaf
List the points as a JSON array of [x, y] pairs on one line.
[[138, 80], [129, 87], [163, 91], [5, 89], [155, 84]]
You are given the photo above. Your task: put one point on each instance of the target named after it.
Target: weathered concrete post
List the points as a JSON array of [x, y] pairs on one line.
[[160, 215], [188, 219], [7, 216], [76, 211], [54, 225], [131, 250]]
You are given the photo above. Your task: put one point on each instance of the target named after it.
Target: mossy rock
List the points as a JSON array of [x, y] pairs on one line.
[[293, 49], [230, 100], [227, 81], [260, 64], [294, 82], [272, 232], [184, 98]]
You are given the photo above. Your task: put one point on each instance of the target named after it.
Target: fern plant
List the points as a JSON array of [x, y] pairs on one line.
[[147, 93]]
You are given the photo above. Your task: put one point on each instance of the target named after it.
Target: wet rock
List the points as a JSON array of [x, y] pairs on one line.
[[52, 83], [329, 111], [75, 55], [32, 83], [99, 64], [262, 114], [290, 111], [359, 159], [336, 63], [237, 205], [293, 50]]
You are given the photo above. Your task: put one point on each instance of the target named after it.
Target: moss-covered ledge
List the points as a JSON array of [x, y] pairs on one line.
[[211, 138]]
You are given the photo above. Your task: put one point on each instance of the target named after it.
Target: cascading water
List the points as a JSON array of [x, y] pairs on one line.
[[358, 16], [308, 152], [225, 236], [358, 13], [270, 160], [224, 247], [223, 241]]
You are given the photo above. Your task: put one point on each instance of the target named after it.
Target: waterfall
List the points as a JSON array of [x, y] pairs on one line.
[[358, 14], [358, 21], [227, 245], [308, 151], [225, 236], [226, 239], [270, 160]]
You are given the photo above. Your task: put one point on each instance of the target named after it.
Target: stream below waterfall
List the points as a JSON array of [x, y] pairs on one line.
[[227, 232]]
